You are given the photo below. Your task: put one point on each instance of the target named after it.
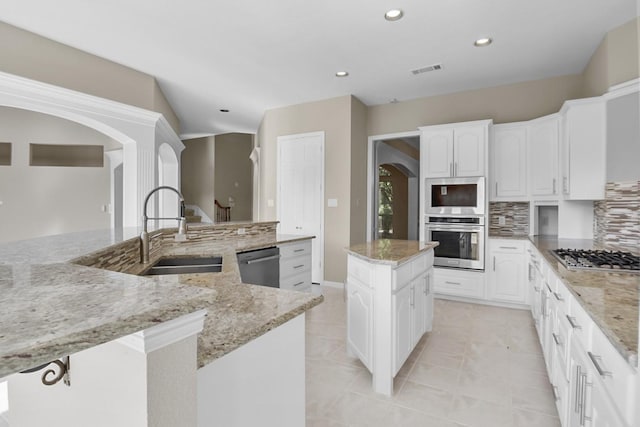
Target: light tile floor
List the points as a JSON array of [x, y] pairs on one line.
[[480, 366]]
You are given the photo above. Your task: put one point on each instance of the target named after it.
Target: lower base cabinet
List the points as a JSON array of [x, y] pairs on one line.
[[389, 308]]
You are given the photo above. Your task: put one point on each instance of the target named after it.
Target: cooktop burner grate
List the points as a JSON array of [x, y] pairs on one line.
[[613, 261]]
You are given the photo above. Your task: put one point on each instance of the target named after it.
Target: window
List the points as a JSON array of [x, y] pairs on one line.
[[5, 154]]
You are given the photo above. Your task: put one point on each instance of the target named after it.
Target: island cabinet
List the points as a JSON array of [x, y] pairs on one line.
[[389, 305]]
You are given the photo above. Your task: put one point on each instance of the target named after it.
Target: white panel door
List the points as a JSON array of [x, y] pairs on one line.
[[468, 151], [543, 157], [301, 192], [509, 163], [437, 146]]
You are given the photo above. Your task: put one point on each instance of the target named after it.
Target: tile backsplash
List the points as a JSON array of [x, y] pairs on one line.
[[516, 215], [616, 219]]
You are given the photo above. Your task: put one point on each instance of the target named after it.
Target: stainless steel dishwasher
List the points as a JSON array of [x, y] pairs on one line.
[[260, 267]]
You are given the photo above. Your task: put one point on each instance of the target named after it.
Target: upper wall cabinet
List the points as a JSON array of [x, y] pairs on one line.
[[544, 135], [584, 149], [454, 150], [508, 162]]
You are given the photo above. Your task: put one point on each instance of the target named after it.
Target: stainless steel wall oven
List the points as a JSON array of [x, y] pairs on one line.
[[461, 241]]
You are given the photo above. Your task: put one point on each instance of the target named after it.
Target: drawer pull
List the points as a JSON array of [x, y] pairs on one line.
[[452, 283], [596, 362], [557, 339], [556, 396], [298, 284], [572, 322], [558, 296], [298, 266], [536, 288], [509, 247], [299, 250]]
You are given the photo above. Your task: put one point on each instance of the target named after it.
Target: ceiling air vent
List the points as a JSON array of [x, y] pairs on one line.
[[434, 67]]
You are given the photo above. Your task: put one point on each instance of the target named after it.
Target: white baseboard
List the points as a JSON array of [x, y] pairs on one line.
[[330, 284], [482, 302]]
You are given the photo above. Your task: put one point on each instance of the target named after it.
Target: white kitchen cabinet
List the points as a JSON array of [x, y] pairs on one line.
[[389, 307], [457, 149], [543, 157], [583, 150], [458, 283], [508, 162], [295, 265], [507, 274]]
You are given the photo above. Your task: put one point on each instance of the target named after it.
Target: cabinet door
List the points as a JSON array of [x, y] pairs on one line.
[[507, 278], [403, 301], [437, 146], [543, 157], [584, 151], [468, 151], [419, 310], [508, 163], [360, 322]]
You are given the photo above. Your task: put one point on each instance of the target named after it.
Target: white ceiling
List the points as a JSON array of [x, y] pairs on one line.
[[252, 55]]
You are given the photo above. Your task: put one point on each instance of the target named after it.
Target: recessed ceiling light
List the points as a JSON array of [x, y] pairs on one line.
[[394, 15], [342, 74], [224, 110], [485, 41]]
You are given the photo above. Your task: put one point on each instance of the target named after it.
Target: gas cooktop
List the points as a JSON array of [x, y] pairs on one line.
[[598, 260]]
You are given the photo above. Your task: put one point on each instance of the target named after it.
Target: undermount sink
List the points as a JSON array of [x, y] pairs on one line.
[[184, 265]]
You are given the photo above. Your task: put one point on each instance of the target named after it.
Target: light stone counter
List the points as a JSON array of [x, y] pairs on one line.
[[390, 251], [610, 299], [52, 307]]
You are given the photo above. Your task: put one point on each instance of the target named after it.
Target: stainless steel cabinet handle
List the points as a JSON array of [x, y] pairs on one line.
[[572, 322], [596, 362], [554, 186], [556, 396], [536, 288], [557, 339], [452, 283], [255, 261], [298, 266], [583, 407], [412, 297], [558, 296], [494, 263], [298, 284], [450, 169], [565, 188], [496, 188], [455, 169], [299, 250], [508, 247], [576, 408]]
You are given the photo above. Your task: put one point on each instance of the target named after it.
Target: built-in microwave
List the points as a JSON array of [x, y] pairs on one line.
[[455, 196]]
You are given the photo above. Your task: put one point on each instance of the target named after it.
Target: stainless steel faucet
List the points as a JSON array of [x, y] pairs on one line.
[[144, 236]]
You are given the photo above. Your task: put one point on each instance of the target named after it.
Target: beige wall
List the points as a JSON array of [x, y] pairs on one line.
[[359, 140], [234, 173], [503, 104], [28, 55], [616, 60], [197, 174], [333, 116], [40, 201]]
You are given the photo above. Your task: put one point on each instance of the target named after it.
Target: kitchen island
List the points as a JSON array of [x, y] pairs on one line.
[[389, 304], [64, 295]]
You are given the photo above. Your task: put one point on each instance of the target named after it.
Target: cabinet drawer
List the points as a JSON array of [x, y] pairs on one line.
[[402, 276], [293, 266], [618, 378], [562, 341], [295, 249], [581, 324], [360, 270], [299, 282], [507, 246], [561, 297], [469, 284]]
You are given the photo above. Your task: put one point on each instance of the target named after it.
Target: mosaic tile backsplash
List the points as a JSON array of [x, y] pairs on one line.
[[616, 222], [516, 215]]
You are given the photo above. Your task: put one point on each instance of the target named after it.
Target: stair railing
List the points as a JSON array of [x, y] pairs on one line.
[[223, 213]]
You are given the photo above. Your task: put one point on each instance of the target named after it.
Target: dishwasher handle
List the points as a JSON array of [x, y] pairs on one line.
[[257, 260]]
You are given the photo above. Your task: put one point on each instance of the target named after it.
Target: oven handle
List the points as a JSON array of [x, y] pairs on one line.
[[440, 227]]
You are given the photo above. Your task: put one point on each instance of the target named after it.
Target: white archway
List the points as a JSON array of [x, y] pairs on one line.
[[141, 132]]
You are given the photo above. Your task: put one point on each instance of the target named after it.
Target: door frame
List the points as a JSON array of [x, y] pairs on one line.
[[320, 237], [372, 176]]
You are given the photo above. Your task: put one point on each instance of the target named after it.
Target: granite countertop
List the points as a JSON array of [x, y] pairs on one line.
[[52, 308], [390, 251], [611, 299]]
